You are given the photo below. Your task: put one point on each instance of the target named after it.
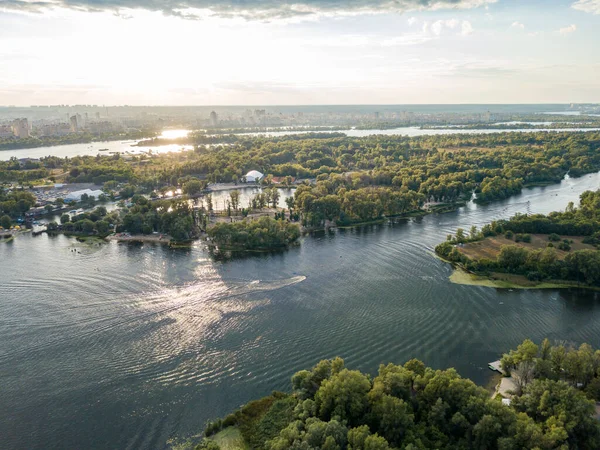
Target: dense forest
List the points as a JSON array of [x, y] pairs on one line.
[[581, 266], [15, 203], [413, 407], [348, 180], [171, 217], [263, 233], [340, 180]]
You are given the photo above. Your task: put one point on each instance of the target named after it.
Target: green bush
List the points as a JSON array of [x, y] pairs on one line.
[[520, 237], [564, 245]]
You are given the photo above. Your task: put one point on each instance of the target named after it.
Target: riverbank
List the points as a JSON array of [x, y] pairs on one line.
[[153, 238], [35, 142], [510, 281]]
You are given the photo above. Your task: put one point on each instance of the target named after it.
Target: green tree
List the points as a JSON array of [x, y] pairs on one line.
[[209, 203], [5, 221], [562, 411], [102, 227], [234, 196], [344, 395], [193, 187]]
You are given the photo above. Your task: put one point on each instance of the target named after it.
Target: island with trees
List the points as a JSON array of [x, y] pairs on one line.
[[15, 143], [557, 250], [412, 407], [262, 234], [338, 180]]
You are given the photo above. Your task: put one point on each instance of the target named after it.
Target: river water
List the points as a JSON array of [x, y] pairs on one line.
[[126, 346], [106, 148]]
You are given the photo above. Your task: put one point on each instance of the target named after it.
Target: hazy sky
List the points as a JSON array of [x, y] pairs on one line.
[[298, 52]]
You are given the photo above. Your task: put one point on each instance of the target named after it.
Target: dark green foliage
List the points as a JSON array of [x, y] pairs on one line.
[[207, 445], [357, 179], [173, 217], [562, 412], [523, 237], [343, 395], [414, 407], [259, 421], [15, 203], [271, 423], [193, 187], [263, 233], [565, 245], [5, 221]]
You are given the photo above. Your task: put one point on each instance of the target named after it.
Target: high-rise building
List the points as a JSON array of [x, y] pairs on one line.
[[20, 128], [214, 119], [73, 122]]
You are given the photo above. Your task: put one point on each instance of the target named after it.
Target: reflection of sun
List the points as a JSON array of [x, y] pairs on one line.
[[174, 134]]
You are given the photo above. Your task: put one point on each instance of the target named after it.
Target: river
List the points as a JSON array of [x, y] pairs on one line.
[[106, 148], [126, 346]]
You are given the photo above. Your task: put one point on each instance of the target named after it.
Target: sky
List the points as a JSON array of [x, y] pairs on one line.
[[277, 52]]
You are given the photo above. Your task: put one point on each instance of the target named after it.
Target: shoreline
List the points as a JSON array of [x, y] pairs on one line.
[[462, 277], [154, 238]]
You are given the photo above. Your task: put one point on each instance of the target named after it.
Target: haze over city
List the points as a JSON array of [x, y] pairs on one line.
[[211, 52]]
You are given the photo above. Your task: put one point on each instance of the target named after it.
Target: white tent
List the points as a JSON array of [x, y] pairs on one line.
[[253, 176], [76, 195]]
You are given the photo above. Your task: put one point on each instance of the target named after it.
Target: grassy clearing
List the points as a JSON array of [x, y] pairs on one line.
[[230, 439], [504, 281], [490, 247]]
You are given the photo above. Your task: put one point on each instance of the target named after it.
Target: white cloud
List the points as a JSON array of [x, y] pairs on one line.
[[466, 28], [431, 31], [247, 9], [568, 30], [518, 25], [406, 39], [436, 27], [412, 21], [439, 26], [589, 6], [452, 23]]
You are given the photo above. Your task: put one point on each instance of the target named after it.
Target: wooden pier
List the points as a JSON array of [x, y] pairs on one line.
[[496, 366]]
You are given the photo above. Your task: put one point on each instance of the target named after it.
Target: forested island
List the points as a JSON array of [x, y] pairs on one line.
[[340, 181], [14, 143], [412, 406], [560, 248], [261, 234]]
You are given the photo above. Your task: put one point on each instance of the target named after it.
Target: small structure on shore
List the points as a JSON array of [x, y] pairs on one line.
[[253, 176], [76, 195], [497, 366]]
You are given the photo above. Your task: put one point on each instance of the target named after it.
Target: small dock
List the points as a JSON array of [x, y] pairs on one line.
[[496, 366]]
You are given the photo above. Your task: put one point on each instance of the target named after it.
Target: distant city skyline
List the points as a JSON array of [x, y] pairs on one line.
[[305, 52]]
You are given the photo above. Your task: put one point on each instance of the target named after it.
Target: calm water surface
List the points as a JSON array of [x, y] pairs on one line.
[[127, 346]]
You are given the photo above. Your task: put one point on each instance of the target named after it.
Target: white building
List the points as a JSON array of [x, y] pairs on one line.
[[253, 176], [75, 196]]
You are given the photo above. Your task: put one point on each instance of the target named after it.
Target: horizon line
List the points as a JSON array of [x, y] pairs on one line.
[[297, 104]]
